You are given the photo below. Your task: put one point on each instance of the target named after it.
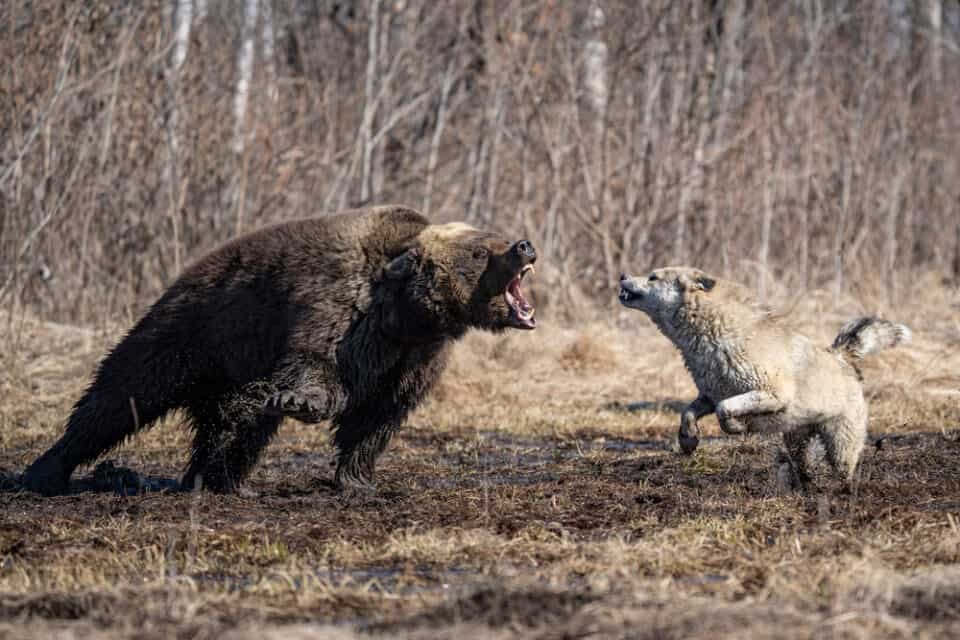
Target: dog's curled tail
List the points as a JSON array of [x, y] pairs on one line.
[[863, 336]]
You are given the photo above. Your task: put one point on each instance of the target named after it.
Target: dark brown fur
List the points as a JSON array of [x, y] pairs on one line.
[[346, 317]]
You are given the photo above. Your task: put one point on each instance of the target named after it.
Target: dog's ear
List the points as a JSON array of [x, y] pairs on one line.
[[404, 265], [698, 281], [705, 282]]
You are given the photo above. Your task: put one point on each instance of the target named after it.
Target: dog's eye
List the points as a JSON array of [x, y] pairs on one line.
[[653, 278]]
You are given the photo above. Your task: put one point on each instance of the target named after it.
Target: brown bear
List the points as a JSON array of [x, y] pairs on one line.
[[347, 317]]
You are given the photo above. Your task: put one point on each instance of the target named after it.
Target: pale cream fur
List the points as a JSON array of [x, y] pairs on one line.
[[757, 375]]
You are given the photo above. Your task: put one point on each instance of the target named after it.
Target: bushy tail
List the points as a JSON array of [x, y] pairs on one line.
[[863, 336]]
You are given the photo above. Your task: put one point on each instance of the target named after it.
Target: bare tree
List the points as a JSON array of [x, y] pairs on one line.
[[595, 55], [935, 16], [181, 22], [245, 60], [809, 141], [267, 39]]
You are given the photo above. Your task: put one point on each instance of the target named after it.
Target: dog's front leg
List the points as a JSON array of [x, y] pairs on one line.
[[689, 435], [730, 411]]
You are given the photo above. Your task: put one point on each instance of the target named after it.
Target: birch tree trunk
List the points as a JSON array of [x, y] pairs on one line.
[[267, 38], [245, 58], [369, 102], [935, 15], [772, 166], [695, 130], [595, 83], [182, 20], [448, 78]]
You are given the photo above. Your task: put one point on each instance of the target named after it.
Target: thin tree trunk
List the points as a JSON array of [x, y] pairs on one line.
[[595, 82], [245, 59], [493, 165], [935, 13], [181, 23], [808, 89], [267, 37], [769, 202], [691, 180], [369, 102]]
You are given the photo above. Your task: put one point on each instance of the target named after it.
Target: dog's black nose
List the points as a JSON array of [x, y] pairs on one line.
[[525, 249], [623, 277]]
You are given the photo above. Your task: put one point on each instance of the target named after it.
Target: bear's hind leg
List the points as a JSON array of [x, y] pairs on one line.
[[100, 421], [209, 426], [230, 436]]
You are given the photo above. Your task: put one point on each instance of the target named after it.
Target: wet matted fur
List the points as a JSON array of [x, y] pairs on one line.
[[757, 375]]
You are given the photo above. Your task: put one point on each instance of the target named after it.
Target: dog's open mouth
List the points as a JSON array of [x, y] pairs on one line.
[[626, 296], [521, 311]]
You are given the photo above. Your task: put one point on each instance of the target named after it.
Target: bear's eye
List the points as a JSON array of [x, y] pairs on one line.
[[653, 278], [480, 253]]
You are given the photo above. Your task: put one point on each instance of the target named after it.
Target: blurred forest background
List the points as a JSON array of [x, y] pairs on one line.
[[803, 144]]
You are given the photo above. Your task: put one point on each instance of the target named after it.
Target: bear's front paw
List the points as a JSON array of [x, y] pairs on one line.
[[302, 407]]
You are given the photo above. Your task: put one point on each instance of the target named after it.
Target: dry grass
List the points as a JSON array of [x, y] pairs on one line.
[[536, 495]]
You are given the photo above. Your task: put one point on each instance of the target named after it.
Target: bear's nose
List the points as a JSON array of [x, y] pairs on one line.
[[525, 249]]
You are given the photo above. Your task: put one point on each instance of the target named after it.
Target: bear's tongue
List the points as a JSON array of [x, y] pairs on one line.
[[514, 296]]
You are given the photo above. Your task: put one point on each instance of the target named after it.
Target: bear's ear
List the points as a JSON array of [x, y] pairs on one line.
[[403, 266]]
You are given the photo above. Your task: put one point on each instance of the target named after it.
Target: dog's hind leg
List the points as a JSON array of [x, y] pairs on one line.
[[843, 440], [797, 441]]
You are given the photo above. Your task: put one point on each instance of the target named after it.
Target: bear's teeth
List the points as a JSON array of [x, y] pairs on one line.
[[527, 269]]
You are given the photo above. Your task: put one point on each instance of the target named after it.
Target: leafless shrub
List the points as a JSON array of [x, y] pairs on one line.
[[806, 143]]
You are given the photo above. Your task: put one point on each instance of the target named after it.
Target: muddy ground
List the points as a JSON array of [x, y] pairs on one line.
[[539, 494]]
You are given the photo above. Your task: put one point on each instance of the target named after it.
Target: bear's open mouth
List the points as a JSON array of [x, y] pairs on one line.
[[521, 311]]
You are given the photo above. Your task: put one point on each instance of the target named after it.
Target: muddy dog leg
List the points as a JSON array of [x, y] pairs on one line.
[[797, 441], [844, 440], [689, 435], [744, 405]]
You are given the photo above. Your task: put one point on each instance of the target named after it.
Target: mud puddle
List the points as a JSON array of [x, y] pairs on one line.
[[495, 458]]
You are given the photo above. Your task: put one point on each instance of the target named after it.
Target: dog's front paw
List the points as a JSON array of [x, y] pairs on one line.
[[688, 444], [731, 425]]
